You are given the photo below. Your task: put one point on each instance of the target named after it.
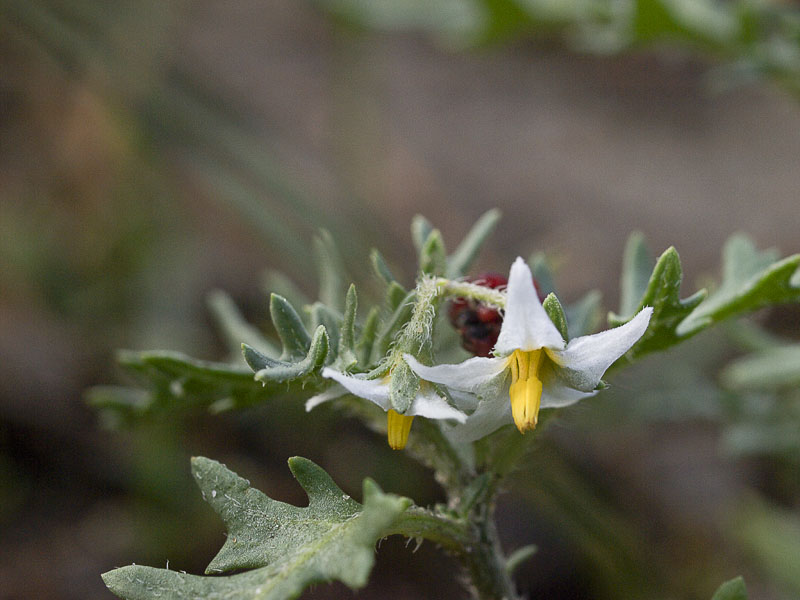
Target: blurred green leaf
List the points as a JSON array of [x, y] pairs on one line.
[[772, 536], [234, 328], [750, 280], [288, 547], [731, 590], [461, 260], [773, 368], [332, 277], [637, 264], [175, 381], [583, 316]]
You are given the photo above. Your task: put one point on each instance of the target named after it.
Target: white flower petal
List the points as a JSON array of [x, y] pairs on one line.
[[526, 325], [430, 404], [374, 390], [490, 416], [331, 393], [557, 395], [466, 401], [466, 376], [586, 358]]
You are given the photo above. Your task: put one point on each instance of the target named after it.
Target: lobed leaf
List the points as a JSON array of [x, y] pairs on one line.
[[288, 547], [276, 371]]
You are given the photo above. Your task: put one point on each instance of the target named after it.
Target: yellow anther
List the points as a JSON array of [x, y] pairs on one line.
[[399, 426], [526, 388]]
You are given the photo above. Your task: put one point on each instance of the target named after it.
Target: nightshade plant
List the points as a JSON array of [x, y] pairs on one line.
[[385, 365]]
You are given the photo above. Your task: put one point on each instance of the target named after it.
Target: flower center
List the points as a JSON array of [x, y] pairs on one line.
[[398, 426], [526, 387]]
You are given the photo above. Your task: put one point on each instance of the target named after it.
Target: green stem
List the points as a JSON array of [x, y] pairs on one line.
[[473, 542], [464, 289]]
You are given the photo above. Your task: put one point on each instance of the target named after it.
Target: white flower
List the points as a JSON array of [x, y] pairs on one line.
[[545, 372], [427, 403]]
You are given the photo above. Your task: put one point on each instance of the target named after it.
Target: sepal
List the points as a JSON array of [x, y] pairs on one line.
[[555, 311]]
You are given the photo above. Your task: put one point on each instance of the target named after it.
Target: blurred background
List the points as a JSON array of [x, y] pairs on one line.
[[151, 151]]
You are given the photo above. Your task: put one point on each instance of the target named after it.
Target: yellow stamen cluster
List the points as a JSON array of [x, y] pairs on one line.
[[526, 387], [398, 426]]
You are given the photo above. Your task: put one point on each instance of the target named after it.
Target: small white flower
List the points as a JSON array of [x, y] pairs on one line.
[[545, 372], [427, 403]]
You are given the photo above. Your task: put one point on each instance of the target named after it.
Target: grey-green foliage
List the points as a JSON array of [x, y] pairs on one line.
[[750, 280], [311, 335], [175, 381], [287, 547]]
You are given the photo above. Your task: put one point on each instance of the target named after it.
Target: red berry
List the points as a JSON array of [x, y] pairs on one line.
[[477, 323]]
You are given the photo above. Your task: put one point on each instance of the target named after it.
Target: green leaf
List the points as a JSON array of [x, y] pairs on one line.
[[325, 316], [770, 535], [433, 256], [290, 328], [637, 263], [275, 282], [518, 557], [421, 229], [367, 337], [662, 293], [288, 547], [542, 273], [380, 267], [556, 313], [331, 270], [773, 368], [731, 590], [271, 370], [461, 260], [750, 280], [583, 316], [234, 328], [347, 357], [389, 328], [395, 294], [178, 381]]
